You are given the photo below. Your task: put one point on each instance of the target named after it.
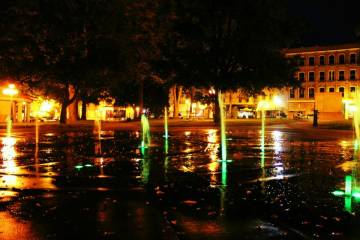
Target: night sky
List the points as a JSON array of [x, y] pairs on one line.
[[327, 21]]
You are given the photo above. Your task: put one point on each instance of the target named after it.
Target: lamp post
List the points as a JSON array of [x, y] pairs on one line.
[[10, 91]]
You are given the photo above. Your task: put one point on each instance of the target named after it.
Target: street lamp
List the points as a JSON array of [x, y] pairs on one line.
[[278, 102], [10, 91]]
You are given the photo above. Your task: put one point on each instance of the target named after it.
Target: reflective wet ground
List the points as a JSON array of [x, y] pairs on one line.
[[75, 185]]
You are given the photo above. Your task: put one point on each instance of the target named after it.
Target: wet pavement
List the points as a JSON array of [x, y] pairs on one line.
[[74, 184]]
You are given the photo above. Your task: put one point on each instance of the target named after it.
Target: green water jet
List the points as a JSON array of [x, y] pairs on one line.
[[351, 181], [222, 129], [166, 128], [145, 126]]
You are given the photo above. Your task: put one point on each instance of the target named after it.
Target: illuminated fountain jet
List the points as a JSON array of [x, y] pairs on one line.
[[145, 132], [166, 128], [352, 189], [222, 129]]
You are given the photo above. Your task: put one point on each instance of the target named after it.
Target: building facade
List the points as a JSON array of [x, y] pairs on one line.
[[14, 105], [329, 78]]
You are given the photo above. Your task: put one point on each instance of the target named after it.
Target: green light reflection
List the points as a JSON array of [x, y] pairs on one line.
[[166, 160], [348, 204], [223, 187], [145, 166]]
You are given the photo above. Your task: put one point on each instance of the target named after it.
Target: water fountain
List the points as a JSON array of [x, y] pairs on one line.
[[166, 128], [222, 129], [223, 159], [351, 181], [145, 132]]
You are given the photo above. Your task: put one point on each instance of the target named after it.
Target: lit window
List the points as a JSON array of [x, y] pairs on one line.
[[353, 58], [341, 75], [311, 61], [311, 76], [311, 92], [301, 61], [352, 74], [322, 60], [341, 59], [331, 60], [331, 75], [342, 90], [302, 92], [302, 76], [292, 93]]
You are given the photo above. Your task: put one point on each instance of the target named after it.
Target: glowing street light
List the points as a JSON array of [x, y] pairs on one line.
[[10, 91], [277, 101]]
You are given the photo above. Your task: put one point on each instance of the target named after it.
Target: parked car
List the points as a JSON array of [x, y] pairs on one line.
[[246, 114]]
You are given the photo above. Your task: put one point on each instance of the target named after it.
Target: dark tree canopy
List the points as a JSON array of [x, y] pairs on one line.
[[229, 44], [54, 44]]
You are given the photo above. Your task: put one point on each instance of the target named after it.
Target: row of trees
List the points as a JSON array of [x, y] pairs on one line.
[[135, 50]]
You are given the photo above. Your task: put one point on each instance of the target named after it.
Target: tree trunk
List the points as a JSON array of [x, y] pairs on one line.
[[191, 100], [141, 97], [69, 97], [73, 106], [176, 108], [83, 109], [230, 105], [63, 112], [216, 110]]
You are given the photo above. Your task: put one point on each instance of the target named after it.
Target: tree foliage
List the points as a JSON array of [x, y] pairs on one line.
[[229, 44], [54, 44]]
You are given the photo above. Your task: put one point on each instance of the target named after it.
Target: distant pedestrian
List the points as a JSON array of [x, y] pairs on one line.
[[315, 119]]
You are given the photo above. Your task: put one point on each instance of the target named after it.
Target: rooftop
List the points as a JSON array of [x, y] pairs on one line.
[[337, 47]]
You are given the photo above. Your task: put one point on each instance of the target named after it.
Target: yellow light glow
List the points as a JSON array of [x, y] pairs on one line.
[[10, 90], [353, 108], [277, 101], [263, 104], [8, 141], [46, 106], [8, 153]]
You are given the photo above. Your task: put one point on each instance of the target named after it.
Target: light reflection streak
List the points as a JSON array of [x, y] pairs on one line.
[[223, 187], [277, 138], [8, 154], [145, 165], [212, 148]]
